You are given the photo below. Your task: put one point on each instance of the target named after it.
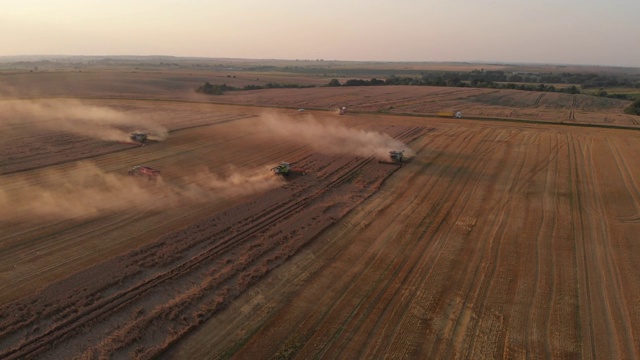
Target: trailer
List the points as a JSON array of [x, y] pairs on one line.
[[142, 171]]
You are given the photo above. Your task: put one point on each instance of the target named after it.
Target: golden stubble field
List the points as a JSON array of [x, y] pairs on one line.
[[498, 239]]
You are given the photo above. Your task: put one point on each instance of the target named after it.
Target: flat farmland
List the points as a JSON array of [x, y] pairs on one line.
[[496, 239]]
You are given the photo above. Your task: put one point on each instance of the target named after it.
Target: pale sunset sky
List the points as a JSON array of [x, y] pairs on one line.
[[593, 32]]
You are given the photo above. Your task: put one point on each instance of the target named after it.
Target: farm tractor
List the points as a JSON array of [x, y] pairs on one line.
[[343, 110], [140, 170]]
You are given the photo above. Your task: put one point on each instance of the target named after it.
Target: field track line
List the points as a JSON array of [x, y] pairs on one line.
[[403, 268], [36, 344], [370, 298], [64, 328], [495, 233], [629, 181], [586, 333], [133, 146]]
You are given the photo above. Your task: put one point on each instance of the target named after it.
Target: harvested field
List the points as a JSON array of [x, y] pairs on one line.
[[497, 239]]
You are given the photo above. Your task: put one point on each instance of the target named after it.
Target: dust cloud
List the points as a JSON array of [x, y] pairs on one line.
[[240, 182], [75, 117], [330, 137], [88, 191]]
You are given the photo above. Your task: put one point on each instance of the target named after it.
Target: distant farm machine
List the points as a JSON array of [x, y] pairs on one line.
[[396, 157], [147, 171], [451, 114], [139, 137], [343, 110], [285, 169]]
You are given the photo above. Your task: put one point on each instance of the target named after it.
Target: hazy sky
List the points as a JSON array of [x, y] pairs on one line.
[[599, 32]]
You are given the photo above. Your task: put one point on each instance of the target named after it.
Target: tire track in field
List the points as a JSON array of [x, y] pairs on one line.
[[124, 298], [427, 267], [358, 316], [444, 239], [617, 300], [518, 181], [381, 325], [586, 333], [541, 302], [484, 275], [349, 283], [572, 111], [598, 255], [363, 219], [429, 223], [125, 149], [630, 182], [411, 132], [51, 231], [65, 328]]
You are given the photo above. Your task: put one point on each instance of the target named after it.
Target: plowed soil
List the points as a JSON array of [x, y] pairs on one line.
[[495, 240]]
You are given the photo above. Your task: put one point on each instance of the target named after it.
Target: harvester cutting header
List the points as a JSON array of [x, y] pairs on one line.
[[397, 158], [285, 169], [140, 138], [282, 169]]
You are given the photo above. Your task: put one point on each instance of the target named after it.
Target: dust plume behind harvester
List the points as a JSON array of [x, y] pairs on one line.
[[83, 119], [329, 136]]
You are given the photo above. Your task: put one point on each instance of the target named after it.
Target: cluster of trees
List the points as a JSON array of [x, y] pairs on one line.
[[504, 80], [476, 79], [585, 80], [634, 109], [214, 89]]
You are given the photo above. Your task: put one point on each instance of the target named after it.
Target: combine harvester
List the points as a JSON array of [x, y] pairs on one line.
[[285, 169], [139, 170], [397, 158], [140, 138]]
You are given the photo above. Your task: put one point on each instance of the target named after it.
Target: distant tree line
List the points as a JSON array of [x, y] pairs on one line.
[[214, 89], [502, 80], [584, 80], [476, 79], [476, 83]]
